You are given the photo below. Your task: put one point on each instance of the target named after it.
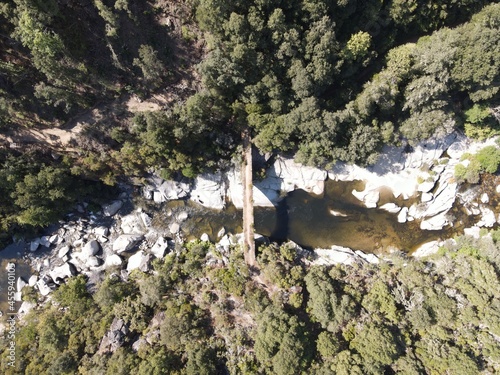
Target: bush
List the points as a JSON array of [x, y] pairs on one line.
[[486, 160], [489, 159], [479, 131]]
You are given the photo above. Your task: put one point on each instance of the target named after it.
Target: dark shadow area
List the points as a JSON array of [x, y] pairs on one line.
[[280, 231]]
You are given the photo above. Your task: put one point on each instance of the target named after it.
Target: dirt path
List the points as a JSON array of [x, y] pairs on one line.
[[59, 138], [248, 217]]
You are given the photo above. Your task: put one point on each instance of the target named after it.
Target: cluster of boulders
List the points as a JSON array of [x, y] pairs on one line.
[[213, 190], [161, 191], [118, 236], [284, 176], [429, 171], [425, 170], [92, 243]]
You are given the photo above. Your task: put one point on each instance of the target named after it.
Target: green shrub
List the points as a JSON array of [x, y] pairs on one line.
[[472, 172], [489, 159], [460, 171], [479, 123], [479, 131], [486, 160]]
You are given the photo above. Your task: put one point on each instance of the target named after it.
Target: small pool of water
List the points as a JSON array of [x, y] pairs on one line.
[[12, 253], [307, 220]]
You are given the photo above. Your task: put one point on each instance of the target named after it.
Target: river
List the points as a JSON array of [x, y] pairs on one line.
[[307, 219], [304, 218]]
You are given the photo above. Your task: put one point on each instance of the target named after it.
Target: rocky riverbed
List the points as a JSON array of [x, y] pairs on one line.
[[413, 184], [425, 171]]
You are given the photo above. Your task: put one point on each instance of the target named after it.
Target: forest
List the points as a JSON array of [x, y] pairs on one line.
[[437, 315], [324, 81]]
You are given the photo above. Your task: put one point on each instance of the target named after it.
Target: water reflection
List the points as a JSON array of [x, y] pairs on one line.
[[335, 218]]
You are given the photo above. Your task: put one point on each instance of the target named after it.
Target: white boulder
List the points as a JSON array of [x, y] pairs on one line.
[[484, 198], [92, 262], [488, 218], [369, 197], [34, 245], [209, 191], [62, 272], [133, 224], [32, 280], [473, 232], [126, 242], [174, 228], [427, 249], [140, 261], [63, 251], [426, 186], [45, 241], [341, 255], [113, 260], [221, 232], [224, 244], [91, 248], [158, 197], [112, 208], [403, 215], [434, 223], [55, 239], [25, 308], [101, 231], [412, 212], [159, 248], [205, 237], [443, 199], [182, 216], [391, 207]]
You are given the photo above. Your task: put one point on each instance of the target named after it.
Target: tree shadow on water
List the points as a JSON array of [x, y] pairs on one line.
[[280, 231]]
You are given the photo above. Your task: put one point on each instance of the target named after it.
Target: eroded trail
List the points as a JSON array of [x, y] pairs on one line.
[[64, 137]]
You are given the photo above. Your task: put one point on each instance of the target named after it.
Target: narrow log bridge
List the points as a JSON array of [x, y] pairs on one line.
[[248, 217]]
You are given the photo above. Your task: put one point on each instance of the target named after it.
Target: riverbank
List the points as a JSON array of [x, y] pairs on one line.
[[421, 180], [408, 201]]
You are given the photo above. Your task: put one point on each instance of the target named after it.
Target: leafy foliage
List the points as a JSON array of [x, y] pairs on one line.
[[284, 62], [407, 315], [486, 160]]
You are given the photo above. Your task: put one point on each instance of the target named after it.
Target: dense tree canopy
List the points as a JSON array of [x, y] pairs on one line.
[[308, 79], [405, 315], [322, 80]]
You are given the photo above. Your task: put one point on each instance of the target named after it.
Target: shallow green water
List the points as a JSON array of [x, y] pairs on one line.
[[306, 219], [13, 254], [303, 218]]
